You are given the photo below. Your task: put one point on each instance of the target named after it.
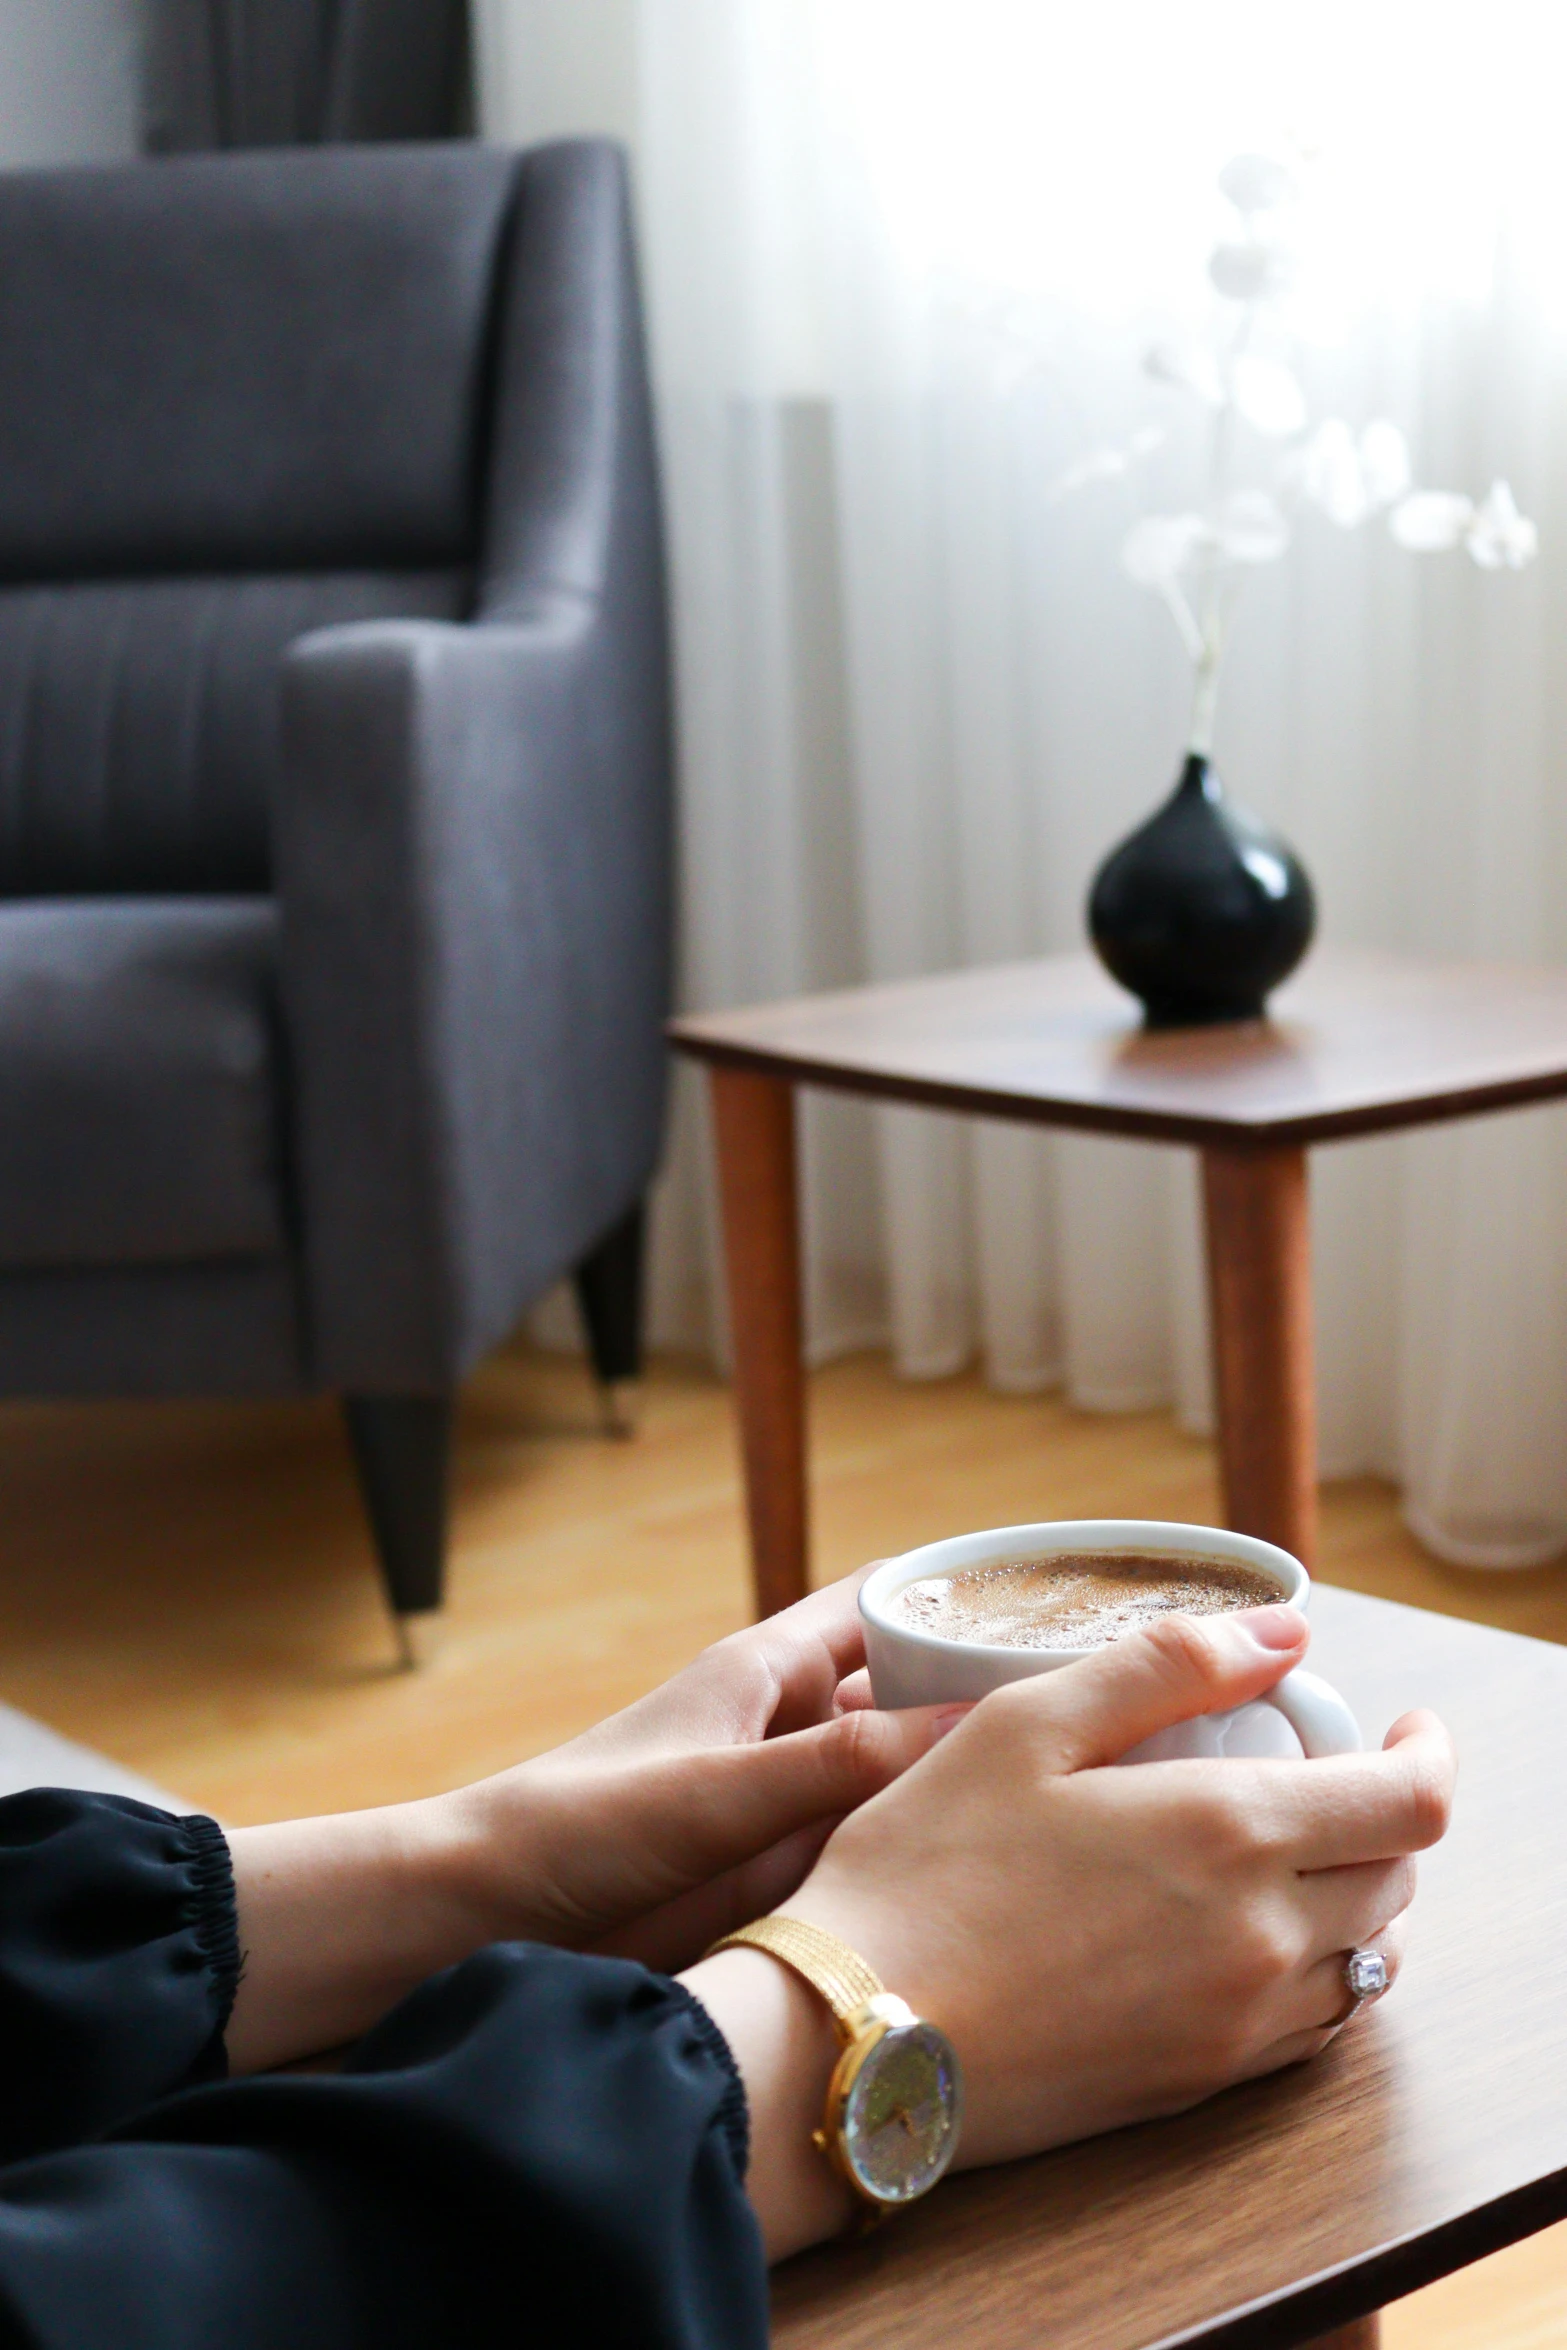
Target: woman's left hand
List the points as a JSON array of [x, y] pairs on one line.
[[700, 1806]]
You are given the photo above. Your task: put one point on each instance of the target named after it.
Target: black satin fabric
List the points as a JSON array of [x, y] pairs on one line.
[[118, 1962], [535, 2147]]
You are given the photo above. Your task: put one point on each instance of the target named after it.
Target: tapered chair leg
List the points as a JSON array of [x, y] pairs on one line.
[[609, 1291], [402, 1449]]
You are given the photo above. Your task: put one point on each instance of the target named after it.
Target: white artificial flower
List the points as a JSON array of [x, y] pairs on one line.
[[1268, 396], [1351, 479], [1158, 549], [1384, 462], [1255, 183], [1250, 529], [1499, 535], [1191, 365], [1427, 521], [1251, 272], [1107, 464], [1495, 533], [1332, 476], [1194, 561]]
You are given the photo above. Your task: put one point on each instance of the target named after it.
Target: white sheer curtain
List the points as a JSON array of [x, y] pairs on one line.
[[903, 256]]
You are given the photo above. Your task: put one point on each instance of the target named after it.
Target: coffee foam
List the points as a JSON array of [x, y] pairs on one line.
[[1078, 1599]]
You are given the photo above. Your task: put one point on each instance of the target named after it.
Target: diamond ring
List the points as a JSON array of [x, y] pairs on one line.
[[1365, 1976]]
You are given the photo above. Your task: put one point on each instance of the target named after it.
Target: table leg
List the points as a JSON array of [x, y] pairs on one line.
[[753, 1120], [1259, 1275], [1364, 2334]]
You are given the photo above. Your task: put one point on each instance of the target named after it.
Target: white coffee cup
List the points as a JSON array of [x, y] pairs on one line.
[[1301, 1715]]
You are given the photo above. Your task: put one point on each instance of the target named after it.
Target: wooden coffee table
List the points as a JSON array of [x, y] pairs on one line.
[[1433, 2131], [1359, 1044]]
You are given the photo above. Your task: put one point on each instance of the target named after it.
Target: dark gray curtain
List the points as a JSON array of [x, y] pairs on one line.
[[272, 73]]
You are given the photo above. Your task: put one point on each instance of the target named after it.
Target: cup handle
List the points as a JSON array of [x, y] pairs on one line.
[[1317, 1714]]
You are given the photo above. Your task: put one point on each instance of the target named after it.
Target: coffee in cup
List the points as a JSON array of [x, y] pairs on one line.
[[959, 1618], [1076, 1599]]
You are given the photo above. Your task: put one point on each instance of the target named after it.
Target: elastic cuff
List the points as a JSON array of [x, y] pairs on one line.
[[212, 1909], [734, 2115]]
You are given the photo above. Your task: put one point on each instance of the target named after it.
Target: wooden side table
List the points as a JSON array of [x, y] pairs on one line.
[[1360, 1044]]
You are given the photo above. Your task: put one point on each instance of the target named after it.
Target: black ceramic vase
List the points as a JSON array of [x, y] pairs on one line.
[[1203, 910]]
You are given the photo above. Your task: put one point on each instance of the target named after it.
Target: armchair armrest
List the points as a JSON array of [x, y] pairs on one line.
[[472, 871]]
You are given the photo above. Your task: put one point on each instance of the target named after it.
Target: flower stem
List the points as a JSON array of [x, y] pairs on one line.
[[1205, 695], [1213, 613]]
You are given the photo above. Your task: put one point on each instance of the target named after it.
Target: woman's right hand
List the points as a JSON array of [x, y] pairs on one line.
[[1100, 1944]]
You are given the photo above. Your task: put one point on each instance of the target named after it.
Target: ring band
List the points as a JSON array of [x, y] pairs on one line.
[[1365, 1976]]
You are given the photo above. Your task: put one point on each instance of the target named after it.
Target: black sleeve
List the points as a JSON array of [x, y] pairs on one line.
[[118, 1962], [535, 2148]]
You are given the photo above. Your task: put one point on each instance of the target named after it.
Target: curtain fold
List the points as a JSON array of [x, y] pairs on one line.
[[267, 73], [903, 263]]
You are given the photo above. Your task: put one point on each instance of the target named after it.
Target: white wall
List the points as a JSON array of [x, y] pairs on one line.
[[67, 80]]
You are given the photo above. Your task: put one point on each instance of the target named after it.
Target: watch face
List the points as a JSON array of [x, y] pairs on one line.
[[901, 2115]]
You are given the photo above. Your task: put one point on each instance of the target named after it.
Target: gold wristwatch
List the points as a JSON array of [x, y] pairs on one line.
[[895, 2100]]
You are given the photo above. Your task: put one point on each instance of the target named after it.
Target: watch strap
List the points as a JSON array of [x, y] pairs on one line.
[[828, 1965]]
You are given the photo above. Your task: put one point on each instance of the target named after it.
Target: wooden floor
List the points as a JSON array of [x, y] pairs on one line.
[[188, 1587]]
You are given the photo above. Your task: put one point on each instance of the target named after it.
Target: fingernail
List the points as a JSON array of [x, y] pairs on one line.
[[1274, 1628], [948, 1719]]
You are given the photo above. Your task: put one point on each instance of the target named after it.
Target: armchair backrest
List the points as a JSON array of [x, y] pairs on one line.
[[264, 362], [240, 397]]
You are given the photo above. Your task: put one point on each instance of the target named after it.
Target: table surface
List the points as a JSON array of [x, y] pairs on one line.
[[1432, 2132], [1358, 1043]]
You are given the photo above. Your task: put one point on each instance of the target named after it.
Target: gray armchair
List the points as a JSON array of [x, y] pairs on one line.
[[334, 783]]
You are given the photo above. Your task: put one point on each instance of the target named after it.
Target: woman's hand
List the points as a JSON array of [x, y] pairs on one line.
[[1101, 1944], [695, 1809], [700, 1806]]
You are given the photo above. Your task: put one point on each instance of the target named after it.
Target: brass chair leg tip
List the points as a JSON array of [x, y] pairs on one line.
[[416, 1639], [618, 1400]]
